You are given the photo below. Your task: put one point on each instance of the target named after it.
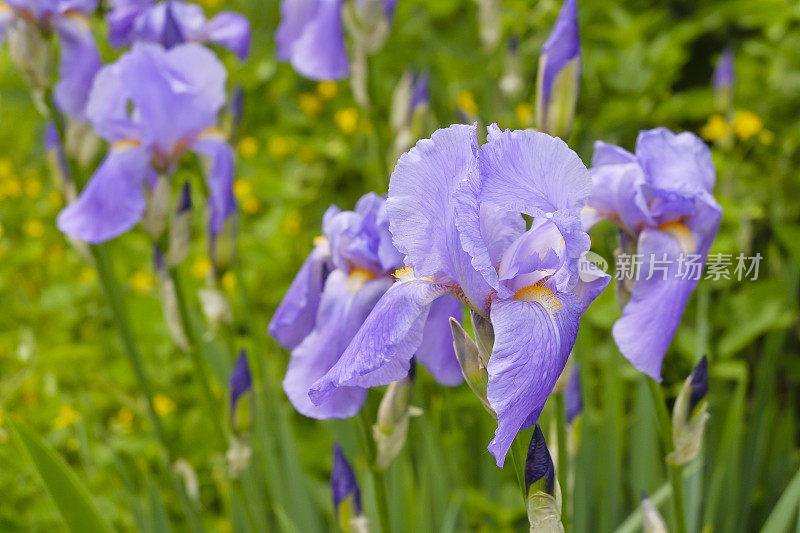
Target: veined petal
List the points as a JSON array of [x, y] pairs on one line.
[[79, 62], [531, 347], [382, 349], [112, 202], [319, 52], [107, 105], [680, 163], [221, 202], [296, 315], [436, 352], [230, 30], [343, 308]]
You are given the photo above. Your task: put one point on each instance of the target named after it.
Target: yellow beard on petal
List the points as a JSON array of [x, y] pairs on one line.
[[680, 232], [357, 278], [125, 144], [541, 295]]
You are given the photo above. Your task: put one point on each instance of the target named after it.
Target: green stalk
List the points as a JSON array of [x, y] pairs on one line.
[[519, 467], [675, 472], [378, 479], [563, 455], [105, 272]]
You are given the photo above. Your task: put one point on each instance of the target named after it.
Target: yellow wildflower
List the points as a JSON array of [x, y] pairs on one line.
[[746, 124], [223, 526], [248, 146], [310, 104], [33, 188], [54, 199], [142, 281], [327, 89], [242, 188], [347, 120], [211, 5], [716, 128], [201, 267], [6, 168], [524, 113], [33, 228], [291, 225], [279, 147], [125, 418], [87, 275], [163, 404], [67, 416], [12, 188], [251, 205], [228, 281], [466, 102]]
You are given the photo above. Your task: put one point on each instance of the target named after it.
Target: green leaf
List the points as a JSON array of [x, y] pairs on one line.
[[782, 516], [68, 492]]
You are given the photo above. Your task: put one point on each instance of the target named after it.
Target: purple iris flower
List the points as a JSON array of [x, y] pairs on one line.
[[152, 106], [311, 36], [573, 399], [79, 60], [539, 463], [455, 212], [240, 380], [724, 75], [174, 22], [661, 199], [347, 272]]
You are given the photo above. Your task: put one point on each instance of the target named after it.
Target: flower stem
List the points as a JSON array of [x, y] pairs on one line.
[[378, 479], [105, 272], [563, 454], [674, 472]]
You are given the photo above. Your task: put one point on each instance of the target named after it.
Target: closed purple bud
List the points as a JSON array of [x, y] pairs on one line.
[[158, 258], [240, 381], [172, 34], [572, 395], [539, 465], [237, 106], [724, 75], [185, 198], [419, 91], [343, 481], [698, 383]]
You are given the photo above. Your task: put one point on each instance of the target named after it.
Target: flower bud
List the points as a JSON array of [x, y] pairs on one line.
[[410, 110], [180, 230], [189, 476], [573, 399], [652, 521], [222, 246], [511, 84], [391, 427], [489, 23], [543, 492], [216, 308], [169, 301], [689, 416], [724, 81], [559, 74], [240, 383], [346, 495], [472, 365], [238, 456], [154, 219], [31, 51], [82, 142]]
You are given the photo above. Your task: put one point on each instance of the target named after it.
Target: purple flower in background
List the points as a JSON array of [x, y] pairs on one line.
[[152, 106], [79, 60], [343, 482], [347, 272], [455, 212], [240, 380], [724, 76], [573, 399], [559, 73], [661, 199], [311, 36], [174, 22]]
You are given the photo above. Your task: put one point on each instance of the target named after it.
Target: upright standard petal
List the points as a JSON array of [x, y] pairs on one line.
[[382, 349], [344, 305], [296, 315], [112, 202], [230, 30], [563, 46], [436, 353], [680, 163], [533, 340], [295, 16], [221, 202], [79, 62], [319, 52], [122, 19]]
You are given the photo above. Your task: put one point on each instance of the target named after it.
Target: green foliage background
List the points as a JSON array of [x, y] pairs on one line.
[[645, 64]]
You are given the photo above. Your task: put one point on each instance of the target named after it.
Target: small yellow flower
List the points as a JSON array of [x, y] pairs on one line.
[[251, 205], [310, 104], [524, 113], [54, 200], [211, 5], [87, 275], [248, 146], [327, 89], [766, 137], [242, 189], [228, 281], [125, 418], [347, 120], [716, 128], [291, 225], [223, 526], [466, 102], [142, 281], [201, 267], [12, 188], [6, 168], [746, 124], [67, 416], [33, 188], [33, 228], [279, 147], [163, 404]]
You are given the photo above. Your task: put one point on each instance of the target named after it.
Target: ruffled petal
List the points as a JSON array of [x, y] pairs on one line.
[[296, 315], [382, 349], [531, 348], [295, 16], [230, 30], [343, 308], [680, 163], [107, 105], [221, 202], [79, 62], [319, 52], [112, 202], [436, 352]]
